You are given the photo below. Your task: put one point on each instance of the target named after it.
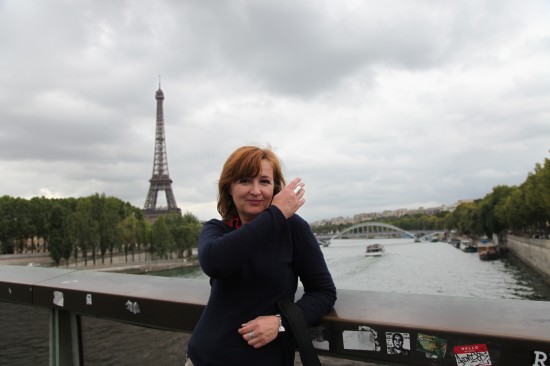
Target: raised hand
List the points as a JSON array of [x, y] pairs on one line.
[[290, 198]]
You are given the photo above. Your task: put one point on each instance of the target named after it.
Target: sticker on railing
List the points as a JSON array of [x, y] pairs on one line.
[[432, 346], [133, 307], [58, 298], [88, 299], [365, 339], [398, 343], [319, 337], [540, 358], [472, 355]]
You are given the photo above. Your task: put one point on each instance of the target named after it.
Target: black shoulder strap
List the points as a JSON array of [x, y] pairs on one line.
[[295, 318]]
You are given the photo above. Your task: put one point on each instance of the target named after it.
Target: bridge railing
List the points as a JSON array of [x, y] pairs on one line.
[[435, 330]]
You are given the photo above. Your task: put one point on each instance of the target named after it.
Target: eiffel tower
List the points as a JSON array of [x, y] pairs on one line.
[[160, 181]]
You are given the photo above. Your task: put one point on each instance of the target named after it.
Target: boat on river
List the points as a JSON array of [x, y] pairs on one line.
[[324, 243], [488, 251], [374, 250], [467, 246], [455, 242]]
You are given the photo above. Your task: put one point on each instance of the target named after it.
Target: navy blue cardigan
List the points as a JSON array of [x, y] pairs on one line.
[[250, 269]]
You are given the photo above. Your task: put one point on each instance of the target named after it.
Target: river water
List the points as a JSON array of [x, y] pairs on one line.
[[422, 268]]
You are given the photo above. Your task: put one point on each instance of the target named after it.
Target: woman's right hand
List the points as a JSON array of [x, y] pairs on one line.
[[290, 198]]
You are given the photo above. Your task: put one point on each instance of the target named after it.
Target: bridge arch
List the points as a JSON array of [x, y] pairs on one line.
[[364, 228]]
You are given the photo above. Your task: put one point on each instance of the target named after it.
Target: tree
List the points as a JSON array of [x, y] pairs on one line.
[[192, 228], [60, 245], [40, 212], [466, 219], [490, 221], [161, 238], [6, 232], [22, 224], [144, 229], [113, 214], [184, 231], [106, 212], [128, 234]]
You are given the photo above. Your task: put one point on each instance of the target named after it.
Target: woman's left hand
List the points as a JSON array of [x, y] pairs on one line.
[[260, 331], [290, 198]]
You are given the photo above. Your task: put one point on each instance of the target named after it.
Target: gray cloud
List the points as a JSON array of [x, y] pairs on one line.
[[374, 105]]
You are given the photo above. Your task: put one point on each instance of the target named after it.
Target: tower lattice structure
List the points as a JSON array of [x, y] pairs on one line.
[[160, 180]]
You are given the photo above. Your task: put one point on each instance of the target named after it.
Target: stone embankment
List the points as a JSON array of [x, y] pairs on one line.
[[532, 251], [119, 263]]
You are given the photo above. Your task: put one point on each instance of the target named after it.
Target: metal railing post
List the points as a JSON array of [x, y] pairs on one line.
[[65, 338]]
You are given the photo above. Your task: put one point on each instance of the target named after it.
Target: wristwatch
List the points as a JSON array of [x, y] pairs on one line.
[[281, 328]]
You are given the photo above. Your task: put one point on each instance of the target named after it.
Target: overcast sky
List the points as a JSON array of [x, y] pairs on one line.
[[375, 104]]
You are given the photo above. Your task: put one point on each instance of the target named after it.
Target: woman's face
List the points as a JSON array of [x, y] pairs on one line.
[[253, 195]]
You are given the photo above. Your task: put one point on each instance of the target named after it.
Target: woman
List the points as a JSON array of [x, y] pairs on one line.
[[254, 257]]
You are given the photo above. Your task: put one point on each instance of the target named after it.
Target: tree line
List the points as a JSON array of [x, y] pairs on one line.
[[98, 225], [522, 210], [92, 227]]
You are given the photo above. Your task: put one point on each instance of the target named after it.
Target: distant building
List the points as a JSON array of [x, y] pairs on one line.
[[362, 217]]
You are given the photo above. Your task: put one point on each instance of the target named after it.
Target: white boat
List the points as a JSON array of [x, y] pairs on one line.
[[323, 243], [374, 250]]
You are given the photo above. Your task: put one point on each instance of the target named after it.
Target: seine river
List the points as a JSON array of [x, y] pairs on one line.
[[405, 267], [422, 268]]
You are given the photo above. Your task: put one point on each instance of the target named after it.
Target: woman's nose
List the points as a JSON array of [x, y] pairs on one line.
[[255, 189]]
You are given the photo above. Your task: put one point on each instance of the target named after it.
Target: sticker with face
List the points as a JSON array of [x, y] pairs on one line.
[[398, 343]]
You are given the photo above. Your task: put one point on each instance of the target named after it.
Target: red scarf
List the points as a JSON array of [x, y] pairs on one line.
[[235, 222]]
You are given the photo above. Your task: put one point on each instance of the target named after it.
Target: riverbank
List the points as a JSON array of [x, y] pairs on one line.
[[534, 252], [118, 264]]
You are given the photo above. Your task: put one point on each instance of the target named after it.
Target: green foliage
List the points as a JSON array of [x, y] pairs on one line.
[[96, 224], [417, 222], [523, 210], [60, 245], [175, 233], [161, 238]]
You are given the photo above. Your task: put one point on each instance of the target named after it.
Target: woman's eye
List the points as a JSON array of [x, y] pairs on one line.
[[243, 180], [266, 181]]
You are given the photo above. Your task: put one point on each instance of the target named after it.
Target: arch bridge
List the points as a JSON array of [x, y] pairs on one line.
[[371, 230]]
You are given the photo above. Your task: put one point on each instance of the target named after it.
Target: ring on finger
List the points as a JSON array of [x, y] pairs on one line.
[[251, 335]]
